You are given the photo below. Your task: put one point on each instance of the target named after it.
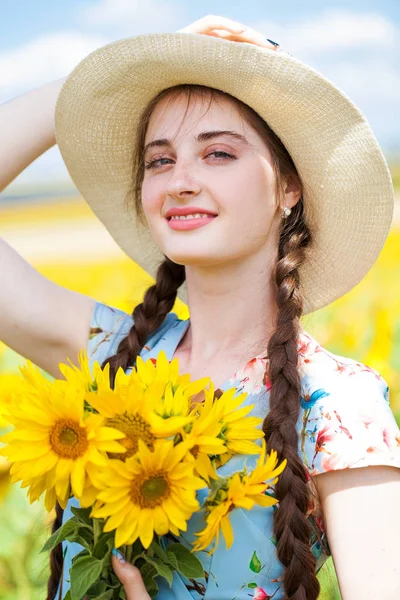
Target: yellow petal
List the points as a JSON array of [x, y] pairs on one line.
[[243, 447], [265, 500], [109, 433], [124, 532], [146, 527], [112, 494], [115, 520], [161, 523], [78, 477], [30, 451], [227, 531]]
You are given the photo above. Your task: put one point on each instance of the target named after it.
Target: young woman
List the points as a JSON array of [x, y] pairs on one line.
[[264, 190]]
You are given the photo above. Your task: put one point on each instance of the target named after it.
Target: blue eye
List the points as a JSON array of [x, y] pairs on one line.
[[221, 154], [156, 163], [152, 163]]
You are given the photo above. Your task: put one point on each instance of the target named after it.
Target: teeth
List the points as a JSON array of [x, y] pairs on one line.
[[195, 216]]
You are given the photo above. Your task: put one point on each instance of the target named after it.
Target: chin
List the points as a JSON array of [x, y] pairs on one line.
[[193, 258]]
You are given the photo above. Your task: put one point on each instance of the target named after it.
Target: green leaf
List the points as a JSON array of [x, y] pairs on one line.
[[104, 545], [153, 590], [87, 533], [188, 564], [255, 564], [80, 555], [97, 589], [148, 572], [68, 595], [161, 568], [68, 528], [172, 560], [159, 551], [84, 573], [108, 595], [252, 585], [74, 537], [82, 514]]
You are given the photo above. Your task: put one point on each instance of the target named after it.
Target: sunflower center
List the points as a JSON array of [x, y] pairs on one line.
[[135, 428], [150, 490], [68, 439]]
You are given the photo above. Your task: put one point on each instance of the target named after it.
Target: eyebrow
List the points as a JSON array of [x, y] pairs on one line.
[[202, 137]]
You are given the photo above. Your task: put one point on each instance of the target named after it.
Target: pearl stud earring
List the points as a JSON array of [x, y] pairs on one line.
[[286, 212]]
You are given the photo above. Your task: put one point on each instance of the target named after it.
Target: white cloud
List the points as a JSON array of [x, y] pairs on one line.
[[133, 16], [333, 31], [359, 52], [43, 59]]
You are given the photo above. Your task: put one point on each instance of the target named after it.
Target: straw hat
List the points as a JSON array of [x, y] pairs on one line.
[[348, 192]]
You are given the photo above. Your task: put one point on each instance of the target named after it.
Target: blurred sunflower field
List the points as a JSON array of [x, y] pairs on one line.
[[62, 239]]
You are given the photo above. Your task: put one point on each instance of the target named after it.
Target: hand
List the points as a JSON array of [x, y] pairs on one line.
[[229, 30], [130, 578]]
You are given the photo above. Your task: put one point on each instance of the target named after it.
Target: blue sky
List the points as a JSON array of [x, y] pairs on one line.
[[356, 44]]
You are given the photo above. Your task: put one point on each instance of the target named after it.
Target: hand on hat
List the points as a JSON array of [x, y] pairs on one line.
[[230, 30]]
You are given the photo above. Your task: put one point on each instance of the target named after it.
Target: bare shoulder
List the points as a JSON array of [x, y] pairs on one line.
[[360, 511]]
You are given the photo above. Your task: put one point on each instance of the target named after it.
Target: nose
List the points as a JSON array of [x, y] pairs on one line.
[[182, 183]]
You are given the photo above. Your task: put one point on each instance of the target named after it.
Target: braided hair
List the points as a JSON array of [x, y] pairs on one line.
[[56, 558], [292, 528], [158, 301]]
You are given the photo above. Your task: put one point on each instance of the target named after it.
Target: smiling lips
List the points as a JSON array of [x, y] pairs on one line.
[[188, 217]]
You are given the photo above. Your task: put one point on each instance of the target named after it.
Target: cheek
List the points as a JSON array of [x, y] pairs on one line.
[[151, 197], [254, 191]]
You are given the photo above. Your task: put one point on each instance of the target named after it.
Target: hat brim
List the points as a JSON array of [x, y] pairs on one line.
[[348, 192]]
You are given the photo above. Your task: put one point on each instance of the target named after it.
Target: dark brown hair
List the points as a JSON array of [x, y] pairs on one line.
[[292, 528]]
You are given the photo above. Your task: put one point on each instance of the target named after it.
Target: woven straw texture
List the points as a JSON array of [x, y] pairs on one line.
[[348, 192]]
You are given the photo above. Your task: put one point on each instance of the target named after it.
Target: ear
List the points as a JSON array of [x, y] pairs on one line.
[[292, 193]]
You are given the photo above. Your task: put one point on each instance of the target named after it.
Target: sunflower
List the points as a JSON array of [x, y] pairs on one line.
[[53, 441], [242, 490], [144, 405], [221, 429], [167, 372], [203, 436], [237, 429], [9, 382], [151, 492], [81, 377]]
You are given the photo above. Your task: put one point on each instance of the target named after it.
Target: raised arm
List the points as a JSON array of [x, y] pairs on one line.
[[39, 319], [27, 129]]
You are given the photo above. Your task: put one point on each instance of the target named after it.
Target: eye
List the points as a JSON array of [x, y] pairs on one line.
[[221, 154], [162, 161], [156, 162]]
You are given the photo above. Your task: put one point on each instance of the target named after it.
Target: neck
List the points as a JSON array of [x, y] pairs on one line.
[[233, 311]]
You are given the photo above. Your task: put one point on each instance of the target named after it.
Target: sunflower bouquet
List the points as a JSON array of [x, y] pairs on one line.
[[134, 456]]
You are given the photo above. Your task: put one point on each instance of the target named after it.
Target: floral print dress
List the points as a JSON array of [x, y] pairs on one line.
[[345, 422]]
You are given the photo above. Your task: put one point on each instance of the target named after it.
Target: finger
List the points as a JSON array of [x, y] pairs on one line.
[[221, 27], [250, 37], [130, 577], [210, 22]]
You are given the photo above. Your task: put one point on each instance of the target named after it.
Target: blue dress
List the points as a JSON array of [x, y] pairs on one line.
[[345, 421]]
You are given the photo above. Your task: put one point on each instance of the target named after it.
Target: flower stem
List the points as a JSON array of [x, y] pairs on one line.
[[97, 530]]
